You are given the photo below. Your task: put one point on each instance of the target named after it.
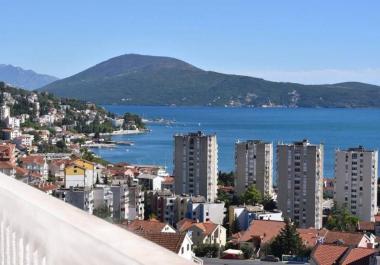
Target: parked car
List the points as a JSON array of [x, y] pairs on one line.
[[270, 258]]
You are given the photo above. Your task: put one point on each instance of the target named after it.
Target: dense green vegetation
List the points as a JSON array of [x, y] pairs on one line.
[[340, 219], [152, 80]]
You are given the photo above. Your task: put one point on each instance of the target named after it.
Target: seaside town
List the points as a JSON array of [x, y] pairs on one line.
[[196, 211]]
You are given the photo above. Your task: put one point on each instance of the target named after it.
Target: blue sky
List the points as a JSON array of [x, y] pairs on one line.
[[316, 41]]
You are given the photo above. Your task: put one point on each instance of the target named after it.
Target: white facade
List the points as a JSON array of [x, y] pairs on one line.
[[254, 166], [5, 112], [196, 165], [356, 174]]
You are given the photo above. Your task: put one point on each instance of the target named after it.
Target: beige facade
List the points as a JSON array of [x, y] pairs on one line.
[[356, 176], [254, 166], [300, 182], [196, 165]]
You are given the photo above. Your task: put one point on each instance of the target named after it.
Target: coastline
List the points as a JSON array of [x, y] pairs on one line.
[[123, 132]]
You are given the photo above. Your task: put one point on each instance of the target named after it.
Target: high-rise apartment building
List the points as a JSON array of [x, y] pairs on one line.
[[300, 182], [356, 176], [196, 165], [254, 166]]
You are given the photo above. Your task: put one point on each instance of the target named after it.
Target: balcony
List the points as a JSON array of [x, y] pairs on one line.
[[38, 229]]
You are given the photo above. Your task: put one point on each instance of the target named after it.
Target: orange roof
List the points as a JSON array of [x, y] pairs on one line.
[[168, 180], [21, 171], [344, 238], [328, 254], [184, 224], [266, 230], [59, 162], [170, 241], [310, 236], [356, 254], [6, 165], [377, 218], [46, 186], [366, 226], [34, 159], [207, 227], [146, 226]]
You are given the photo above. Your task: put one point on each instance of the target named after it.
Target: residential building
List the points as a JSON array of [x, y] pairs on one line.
[[203, 232], [202, 211], [254, 166], [337, 254], [8, 168], [120, 201], [135, 203], [148, 226], [356, 175], [8, 152], [36, 164], [80, 173], [24, 139], [103, 199], [5, 112], [150, 182], [82, 198], [245, 214], [196, 165], [300, 182]]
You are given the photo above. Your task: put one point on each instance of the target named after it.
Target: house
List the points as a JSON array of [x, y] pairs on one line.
[[200, 210], [350, 239], [149, 181], [203, 233], [46, 187], [57, 169], [180, 244], [24, 139], [36, 164], [343, 255], [311, 236], [82, 198], [8, 152], [246, 213], [148, 226], [80, 173], [366, 227], [8, 168], [167, 183]]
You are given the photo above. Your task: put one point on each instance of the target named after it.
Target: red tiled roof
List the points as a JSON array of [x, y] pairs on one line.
[[357, 254], [310, 236], [184, 224], [46, 186], [377, 218], [146, 226], [170, 241], [328, 254], [168, 180], [344, 238], [21, 171], [366, 226], [35, 159], [266, 230], [6, 165]]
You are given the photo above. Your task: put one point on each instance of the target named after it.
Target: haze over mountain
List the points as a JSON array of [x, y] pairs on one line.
[[22, 78], [155, 80]]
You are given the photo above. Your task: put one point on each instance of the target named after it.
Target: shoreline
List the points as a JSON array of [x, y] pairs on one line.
[[123, 132]]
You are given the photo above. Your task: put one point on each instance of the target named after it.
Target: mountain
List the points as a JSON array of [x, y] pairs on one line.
[[19, 77], [153, 80]]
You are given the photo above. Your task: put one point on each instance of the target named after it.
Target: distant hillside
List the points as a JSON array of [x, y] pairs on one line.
[[27, 79], [153, 80]]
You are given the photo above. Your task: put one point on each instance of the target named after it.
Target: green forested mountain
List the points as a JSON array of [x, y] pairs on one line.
[[153, 80]]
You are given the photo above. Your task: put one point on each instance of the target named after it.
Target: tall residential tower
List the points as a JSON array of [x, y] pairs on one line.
[[196, 165], [300, 182], [356, 181], [254, 166]]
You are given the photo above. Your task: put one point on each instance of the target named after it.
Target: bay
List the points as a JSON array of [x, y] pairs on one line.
[[335, 128]]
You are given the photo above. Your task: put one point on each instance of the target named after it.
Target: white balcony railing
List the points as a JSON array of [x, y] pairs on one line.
[[38, 229]]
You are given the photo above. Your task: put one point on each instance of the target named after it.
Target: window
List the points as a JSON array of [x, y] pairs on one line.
[[182, 250], [188, 247]]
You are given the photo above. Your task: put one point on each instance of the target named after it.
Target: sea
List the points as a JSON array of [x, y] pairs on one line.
[[335, 128]]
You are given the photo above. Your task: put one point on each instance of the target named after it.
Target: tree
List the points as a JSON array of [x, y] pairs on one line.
[[268, 203], [251, 195], [287, 242], [226, 179], [207, 250], [340, 219]]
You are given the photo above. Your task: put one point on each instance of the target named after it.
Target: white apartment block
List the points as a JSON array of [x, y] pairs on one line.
[[196, 165], [300, 182], [254, 166], [356, 176], [5, 112]]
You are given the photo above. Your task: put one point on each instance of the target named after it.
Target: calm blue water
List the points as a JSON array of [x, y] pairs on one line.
[[334, 127]]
